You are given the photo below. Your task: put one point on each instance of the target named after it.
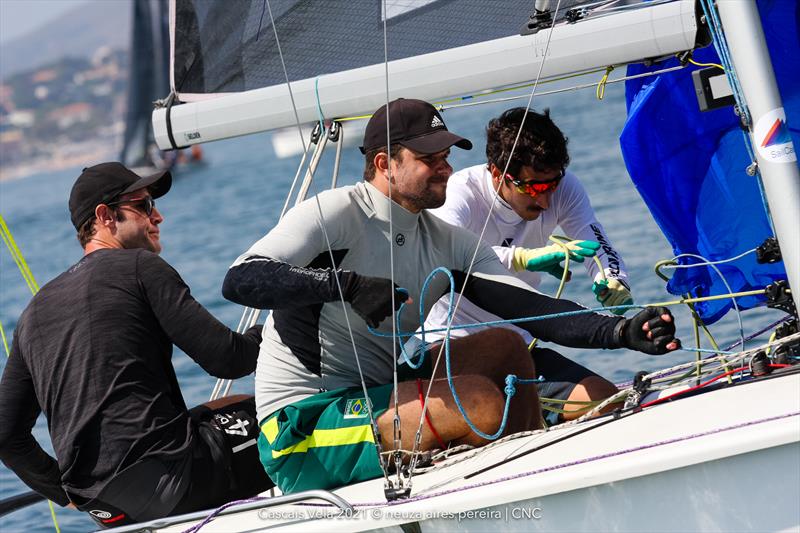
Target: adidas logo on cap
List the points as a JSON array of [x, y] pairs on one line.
[[436, 122]]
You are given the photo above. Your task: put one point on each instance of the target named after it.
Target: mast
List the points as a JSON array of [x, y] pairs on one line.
[[775, 153]]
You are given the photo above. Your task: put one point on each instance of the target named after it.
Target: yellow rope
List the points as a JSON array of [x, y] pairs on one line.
[[8, 239], [771, 340], [5, 342], [587, 405], [698, 322], [53, 514], [601, 87], [440, 103], [706, 298], [561, 241], [695, 63], [27, 275]]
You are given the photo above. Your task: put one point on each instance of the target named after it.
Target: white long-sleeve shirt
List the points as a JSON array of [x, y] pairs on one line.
[[471, 195]]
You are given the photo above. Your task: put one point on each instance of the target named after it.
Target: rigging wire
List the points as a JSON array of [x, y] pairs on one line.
[[396, 422], [370, 411], [254, 316], [250, 316], [727, 286], [721, 46], [445, 345], [286, 75], [697, 321], [474, 99], [578, 87]]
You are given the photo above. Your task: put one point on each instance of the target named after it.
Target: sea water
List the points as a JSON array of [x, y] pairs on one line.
[[215, 212]]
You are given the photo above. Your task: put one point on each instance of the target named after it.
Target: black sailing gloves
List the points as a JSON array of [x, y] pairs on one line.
[[371, 298], [651, 331]]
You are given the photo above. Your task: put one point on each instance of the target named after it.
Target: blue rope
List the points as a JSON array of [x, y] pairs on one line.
[[320, 116], [422, 348], [511, 380], [509, 320]]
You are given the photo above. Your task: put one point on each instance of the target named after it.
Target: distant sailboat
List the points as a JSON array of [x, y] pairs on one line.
[[149, 81]]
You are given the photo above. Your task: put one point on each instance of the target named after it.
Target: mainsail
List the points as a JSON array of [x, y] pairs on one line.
[[690, 168], [232, 46], [228, 64]]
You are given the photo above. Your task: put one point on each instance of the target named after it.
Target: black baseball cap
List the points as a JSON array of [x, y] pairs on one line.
[[103, 183], [414, 124]]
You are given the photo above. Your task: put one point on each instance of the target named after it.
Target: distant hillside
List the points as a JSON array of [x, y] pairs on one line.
[[78, 33]]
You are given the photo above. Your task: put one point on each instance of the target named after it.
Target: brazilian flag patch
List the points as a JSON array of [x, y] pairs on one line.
[[355, 408]]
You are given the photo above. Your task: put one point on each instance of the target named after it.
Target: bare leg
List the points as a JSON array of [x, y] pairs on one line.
[[226, 400], [480, 398], [496, 353], [593, 388]]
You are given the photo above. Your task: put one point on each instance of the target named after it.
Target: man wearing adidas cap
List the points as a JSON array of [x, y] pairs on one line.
[[314, 416]]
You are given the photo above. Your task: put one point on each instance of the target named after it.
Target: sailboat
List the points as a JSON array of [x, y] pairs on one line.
[[148, 80], [714, 450]]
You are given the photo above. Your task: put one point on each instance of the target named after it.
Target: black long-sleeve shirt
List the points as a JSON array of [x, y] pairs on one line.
[[93, 352]]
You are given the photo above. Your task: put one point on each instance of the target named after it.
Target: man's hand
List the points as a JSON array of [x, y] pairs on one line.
[[651, 331], [548, 258], [611, 292], [254, 332], [371, 298]]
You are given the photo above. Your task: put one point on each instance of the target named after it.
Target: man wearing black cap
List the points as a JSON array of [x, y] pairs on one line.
[[93, 351], [323, 372]]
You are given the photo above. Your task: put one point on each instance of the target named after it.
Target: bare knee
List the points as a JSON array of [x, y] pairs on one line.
[[596, 388], [484, 403], [591, 389]]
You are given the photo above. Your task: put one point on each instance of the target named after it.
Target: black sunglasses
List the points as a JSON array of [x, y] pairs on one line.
[[146, 204]]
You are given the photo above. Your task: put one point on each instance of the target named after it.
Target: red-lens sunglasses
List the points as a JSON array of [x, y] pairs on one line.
[[532, 188]]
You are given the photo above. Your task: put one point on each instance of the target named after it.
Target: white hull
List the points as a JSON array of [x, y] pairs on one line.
[[726, 460]]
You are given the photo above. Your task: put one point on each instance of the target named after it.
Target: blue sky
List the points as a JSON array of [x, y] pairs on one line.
[[18, 17]]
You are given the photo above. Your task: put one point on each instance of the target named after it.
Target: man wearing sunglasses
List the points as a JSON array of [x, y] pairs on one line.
[[325, 272], [93, 352], [526, 193]]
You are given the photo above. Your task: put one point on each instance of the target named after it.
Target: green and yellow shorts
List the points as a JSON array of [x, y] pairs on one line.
[[323, 441]]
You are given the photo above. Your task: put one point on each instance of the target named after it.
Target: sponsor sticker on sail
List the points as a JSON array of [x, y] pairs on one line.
[[772, 138]]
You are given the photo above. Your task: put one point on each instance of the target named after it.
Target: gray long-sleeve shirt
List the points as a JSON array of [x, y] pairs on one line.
[[306, 346]]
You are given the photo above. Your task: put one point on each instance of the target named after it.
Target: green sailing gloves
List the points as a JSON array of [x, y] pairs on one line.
[[548, 258], [611, 292]]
